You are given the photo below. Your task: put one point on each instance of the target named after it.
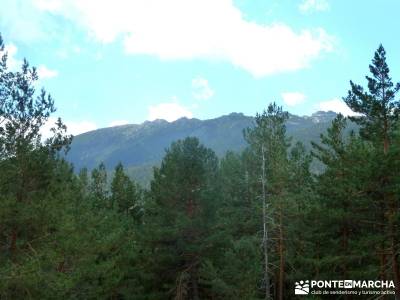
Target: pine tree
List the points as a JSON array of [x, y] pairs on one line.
[[378, 107], [380, 111], [345, 210], [99, 187], [270, 148], [178, 220], [125, 194], [31, 178], [236, 267]]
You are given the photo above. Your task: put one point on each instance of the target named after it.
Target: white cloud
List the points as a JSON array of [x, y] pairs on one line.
[[48, 5], [309, 6], [21, 20], [76, 49], [12, 62], [78, 127], [73, 127], [169, 111], [201, 89], [293, 98], [44, 72], [15, 64], [191, 29], [337, 105], [118, 123]]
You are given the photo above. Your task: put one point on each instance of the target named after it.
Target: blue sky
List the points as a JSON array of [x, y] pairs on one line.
[[127, 61]]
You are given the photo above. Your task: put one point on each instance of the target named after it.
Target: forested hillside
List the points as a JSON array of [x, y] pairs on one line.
[[136, 145], [212, 225], [141, 147]]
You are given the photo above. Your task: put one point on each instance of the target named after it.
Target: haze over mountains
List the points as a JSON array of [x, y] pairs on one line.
[[140, 146]]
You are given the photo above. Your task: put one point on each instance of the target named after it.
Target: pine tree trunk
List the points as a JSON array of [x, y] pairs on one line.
[[345, 237], [281, 259], [395, 262], [396, 273], [385, 139], [317, 256], [380, 227], [61, 267], [344, 250], [392, 211], [382, 259], [195, 285], [13, 243], [265, 230]]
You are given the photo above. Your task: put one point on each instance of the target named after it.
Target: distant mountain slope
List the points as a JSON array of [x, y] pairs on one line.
[[139, 147]]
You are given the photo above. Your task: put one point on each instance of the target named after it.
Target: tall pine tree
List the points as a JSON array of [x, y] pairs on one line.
[[379, 116], [178, 219]]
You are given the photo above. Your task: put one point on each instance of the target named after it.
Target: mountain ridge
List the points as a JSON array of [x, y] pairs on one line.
[[141, 146], [314, 116]]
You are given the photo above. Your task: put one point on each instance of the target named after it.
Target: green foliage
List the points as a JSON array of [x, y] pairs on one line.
[[344, 204], [287, 183], [199, 231], [179, 217], [378, 107], [30, 174], [99, 188], [125, 194], [239, 260], [140, 147], [378, 124]]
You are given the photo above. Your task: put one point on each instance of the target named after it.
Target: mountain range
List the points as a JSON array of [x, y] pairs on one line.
[[139, 147]]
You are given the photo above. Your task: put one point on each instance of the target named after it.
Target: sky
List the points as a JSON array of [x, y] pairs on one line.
[[109, 63]]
